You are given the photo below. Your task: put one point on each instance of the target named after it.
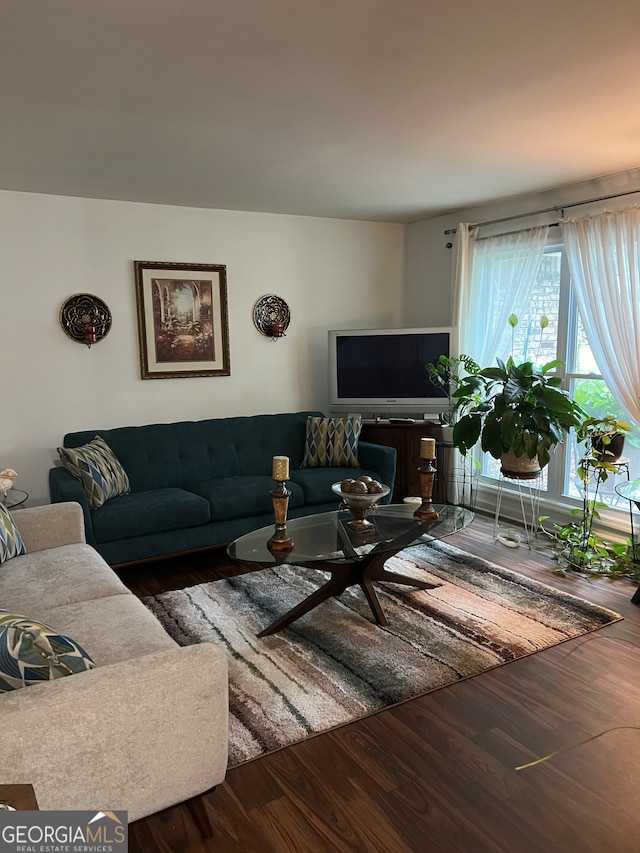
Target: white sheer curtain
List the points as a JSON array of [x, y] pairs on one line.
[[603, 252], [461, 283], [492, 278], [499, 281]]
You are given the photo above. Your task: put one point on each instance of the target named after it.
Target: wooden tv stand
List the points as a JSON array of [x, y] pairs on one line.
[[405, 437]]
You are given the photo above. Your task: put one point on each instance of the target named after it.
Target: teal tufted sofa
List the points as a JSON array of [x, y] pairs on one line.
[[196, 484]]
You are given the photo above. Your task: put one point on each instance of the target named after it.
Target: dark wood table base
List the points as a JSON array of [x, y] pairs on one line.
[[362, 573]]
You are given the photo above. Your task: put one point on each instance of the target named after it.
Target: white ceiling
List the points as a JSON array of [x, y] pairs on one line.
[[389, 110]]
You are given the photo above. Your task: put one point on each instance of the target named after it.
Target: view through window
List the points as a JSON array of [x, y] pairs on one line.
[[564, 338]]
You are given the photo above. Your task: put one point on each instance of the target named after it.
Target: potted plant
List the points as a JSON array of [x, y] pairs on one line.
[[448, 373], [459, 478], [604, 437], [577, 545], [521, 416]]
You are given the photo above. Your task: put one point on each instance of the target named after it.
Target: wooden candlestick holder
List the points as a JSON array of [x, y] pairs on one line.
[[280, 495], [427, 472]]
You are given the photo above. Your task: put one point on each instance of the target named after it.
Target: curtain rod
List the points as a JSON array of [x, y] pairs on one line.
[[557, 207]]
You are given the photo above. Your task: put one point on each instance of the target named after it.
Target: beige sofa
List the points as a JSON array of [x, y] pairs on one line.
[[148, 727]]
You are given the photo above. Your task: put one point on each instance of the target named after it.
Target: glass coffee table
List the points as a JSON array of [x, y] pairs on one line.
[[329, 542]]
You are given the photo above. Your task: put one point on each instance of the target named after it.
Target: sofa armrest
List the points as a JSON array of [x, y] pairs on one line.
[[140, 735], [50, 526], [64, 487], [380, 458]]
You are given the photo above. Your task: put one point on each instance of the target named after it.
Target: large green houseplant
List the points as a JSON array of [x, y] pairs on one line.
[[522, 411]]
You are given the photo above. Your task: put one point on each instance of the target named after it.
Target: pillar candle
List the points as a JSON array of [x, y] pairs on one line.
[[280, 468], [427, 448]]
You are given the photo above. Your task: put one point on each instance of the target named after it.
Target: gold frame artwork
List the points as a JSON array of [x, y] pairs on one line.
[[183, 325]]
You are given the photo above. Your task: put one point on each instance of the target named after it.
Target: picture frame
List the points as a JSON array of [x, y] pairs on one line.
[[183, 326]]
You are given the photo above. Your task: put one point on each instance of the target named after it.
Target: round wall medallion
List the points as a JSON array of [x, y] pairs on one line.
[[271, 316], [85, 318]]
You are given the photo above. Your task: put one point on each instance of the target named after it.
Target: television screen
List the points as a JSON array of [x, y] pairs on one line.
[[384, 371]]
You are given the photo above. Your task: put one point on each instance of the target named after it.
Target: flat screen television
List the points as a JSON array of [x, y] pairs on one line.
[[383, 372]]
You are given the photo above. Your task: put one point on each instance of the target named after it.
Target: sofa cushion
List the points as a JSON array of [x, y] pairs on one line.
[[56, 576], [239, 497], [31, 652], [98, 469], [149, 512], [11, 544], [332, 442], [116, 628]]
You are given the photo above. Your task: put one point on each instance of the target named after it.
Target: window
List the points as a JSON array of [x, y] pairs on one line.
[[564, 339]]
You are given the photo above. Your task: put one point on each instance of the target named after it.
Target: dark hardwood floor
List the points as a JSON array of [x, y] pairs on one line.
[[437, 773]]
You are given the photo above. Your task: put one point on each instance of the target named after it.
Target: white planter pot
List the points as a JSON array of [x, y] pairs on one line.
[[447, 434], [519, 467]]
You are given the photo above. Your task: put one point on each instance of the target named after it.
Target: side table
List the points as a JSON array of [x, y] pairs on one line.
[[15, 498], [631, 491], [21, 797]]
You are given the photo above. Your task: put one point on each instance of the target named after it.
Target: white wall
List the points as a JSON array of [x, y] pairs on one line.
[[428, 262], [332, 273]]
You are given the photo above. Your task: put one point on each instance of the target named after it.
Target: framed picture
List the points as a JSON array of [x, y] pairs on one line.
[[183, 326]]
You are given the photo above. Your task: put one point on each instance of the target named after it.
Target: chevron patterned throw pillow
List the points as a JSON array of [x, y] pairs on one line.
[[332, 442], [98, 469], [31, 652], [11, 544]]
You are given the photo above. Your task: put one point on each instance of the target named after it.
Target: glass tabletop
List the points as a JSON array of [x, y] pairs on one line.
[[328, 536], [14, 498], [630, 490]]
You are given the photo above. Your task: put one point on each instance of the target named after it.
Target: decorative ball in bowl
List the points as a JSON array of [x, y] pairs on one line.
[[360, 496]]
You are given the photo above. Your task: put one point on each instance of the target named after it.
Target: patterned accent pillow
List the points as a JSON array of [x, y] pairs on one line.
[[31, 652], [11, 544], [98, 469], [332, 442]]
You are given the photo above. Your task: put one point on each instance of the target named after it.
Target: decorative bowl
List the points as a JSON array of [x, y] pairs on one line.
[[360, 503]]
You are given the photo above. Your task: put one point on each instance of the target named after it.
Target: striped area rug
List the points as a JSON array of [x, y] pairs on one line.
[[335, 665]]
